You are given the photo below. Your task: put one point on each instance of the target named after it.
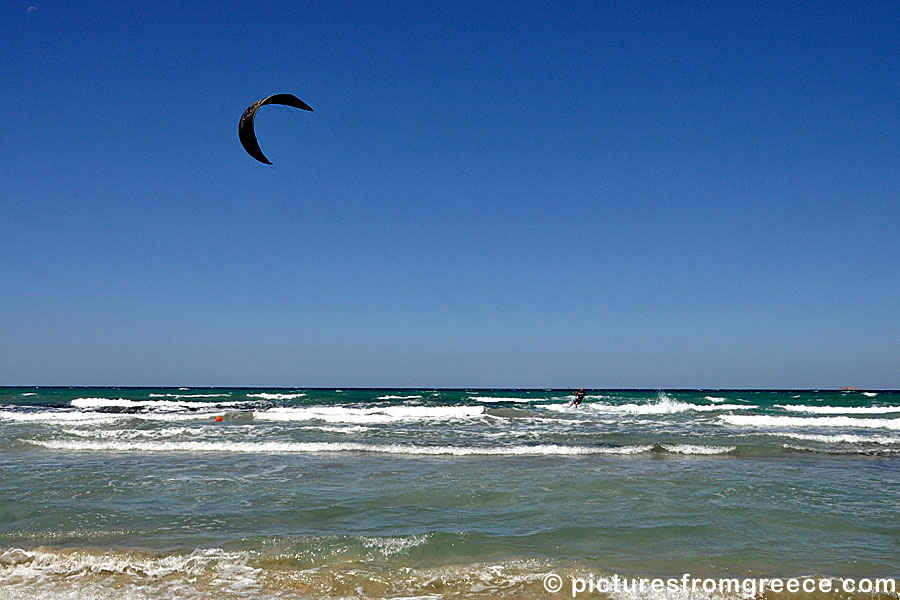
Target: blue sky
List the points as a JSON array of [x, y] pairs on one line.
[[649, 195]]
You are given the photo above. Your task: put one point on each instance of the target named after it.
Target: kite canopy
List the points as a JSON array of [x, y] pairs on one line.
[[245, 128]]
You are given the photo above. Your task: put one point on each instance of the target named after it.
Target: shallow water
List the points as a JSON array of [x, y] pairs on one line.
[[382, 493]]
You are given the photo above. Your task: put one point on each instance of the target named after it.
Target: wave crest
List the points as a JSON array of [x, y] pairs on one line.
[[373, 415]]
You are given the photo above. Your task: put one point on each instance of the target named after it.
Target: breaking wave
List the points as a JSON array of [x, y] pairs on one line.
[[491, 399], [665, 406], [384, 414], [839, 410], [151, 404], [273, 396], [771, 421], [843, 438], [332, 447]]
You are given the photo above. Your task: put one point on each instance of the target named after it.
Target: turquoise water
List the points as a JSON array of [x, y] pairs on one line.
[[440, 493]]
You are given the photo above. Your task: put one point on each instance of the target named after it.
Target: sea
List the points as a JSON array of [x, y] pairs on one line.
[[190, 493]]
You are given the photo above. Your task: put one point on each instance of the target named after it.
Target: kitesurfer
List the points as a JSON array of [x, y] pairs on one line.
[[579, 398]]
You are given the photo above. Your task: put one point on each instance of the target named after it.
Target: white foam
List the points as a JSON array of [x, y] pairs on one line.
[[665, 406], [491, 399], [870, 394], [384, 414], [398, 397], [842, 450], [334, 429], [25, 573], [100, 402], [839, 410], [213, 573], [714, 398], [156, 404], [171, 416], [165, 432], [15, 556], [850, 422], [331, 447], [694, 449], [843, 438], [68, 416], [189, 395], [272, 396]]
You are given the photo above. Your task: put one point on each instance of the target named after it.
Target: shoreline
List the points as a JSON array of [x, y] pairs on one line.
[[90, 572]]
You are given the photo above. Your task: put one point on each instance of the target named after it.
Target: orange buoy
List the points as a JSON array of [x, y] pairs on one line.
[[218, 419]]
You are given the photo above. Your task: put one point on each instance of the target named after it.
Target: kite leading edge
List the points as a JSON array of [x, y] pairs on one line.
[[245, 127]]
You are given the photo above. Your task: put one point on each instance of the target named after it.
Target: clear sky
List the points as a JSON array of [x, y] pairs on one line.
[[524, 194]]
